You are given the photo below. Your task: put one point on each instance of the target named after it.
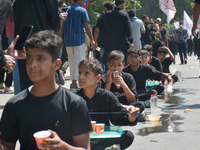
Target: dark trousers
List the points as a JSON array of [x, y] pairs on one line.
[[146, 95], [124, 141], [9, 77], [182, 51], [159, 88]]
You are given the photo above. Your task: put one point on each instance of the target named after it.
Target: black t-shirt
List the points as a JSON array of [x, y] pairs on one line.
[[156, 63], [156, 37], [106, 101], [61, 111], [165, 65], [142, 74], [163, 33], [101, 24], [189, 43], [130, 82], [197, 1], [146, 37]]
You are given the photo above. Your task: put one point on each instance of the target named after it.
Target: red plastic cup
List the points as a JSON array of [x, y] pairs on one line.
[[40, 136], [93, 125], [99, 127]]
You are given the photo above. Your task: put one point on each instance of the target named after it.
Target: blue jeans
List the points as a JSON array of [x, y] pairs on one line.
[[182, 51], [15, 74]]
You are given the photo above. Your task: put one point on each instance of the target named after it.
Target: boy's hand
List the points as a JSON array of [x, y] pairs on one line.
[[109, 75], [170, 79], [55, 143], [119, 80], [133, 113]]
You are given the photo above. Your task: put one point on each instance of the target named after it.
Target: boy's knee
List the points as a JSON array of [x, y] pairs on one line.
[[126, 139]]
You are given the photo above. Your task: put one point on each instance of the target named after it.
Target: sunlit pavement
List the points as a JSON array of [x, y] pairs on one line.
[[177, 129]]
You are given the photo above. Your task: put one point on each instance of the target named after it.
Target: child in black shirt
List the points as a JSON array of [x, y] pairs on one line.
[[126, 94], [166, 61], [102, 103], [141, 73], [45, 105]]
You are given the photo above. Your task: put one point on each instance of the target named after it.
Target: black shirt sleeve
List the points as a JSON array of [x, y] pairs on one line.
[[152, 73], [128, 29], [197, 1]]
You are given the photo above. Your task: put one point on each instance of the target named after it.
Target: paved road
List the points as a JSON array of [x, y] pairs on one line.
[[176, 129]]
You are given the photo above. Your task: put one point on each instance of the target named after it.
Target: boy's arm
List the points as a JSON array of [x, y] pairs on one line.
[[166, 76], [89, 33], [109, 80], [7, 146], [81, 142], [130, 96], [170, 54]]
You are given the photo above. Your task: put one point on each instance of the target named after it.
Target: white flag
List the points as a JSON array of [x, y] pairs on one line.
[[187, 23], [176, 24], [167, 6]]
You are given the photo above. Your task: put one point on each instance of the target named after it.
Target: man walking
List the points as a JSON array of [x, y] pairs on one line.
[[118, 30], [137, 27], [181, 38], [74, 28]]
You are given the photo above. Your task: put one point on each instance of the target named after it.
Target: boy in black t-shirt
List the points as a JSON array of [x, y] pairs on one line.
[[126, 94], [45, 105], [166, 61], [141, 73], [103, 105]]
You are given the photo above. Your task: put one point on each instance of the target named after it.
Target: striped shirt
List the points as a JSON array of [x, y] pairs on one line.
[[74, 30]]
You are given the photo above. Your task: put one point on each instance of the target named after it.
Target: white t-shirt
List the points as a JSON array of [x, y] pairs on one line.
[[136, 27]]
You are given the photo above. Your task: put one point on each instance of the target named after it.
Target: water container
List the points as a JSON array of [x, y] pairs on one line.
[[152, 104], [116, 73]]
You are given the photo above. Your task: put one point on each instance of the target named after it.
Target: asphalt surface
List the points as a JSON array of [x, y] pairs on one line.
[[177, 129]]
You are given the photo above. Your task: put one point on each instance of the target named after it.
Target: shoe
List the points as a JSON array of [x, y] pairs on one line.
[[113, 147], [182, 63], [74, 87], [7, 89], [65, 66], [2, 86], [185, 61], [141, 117]]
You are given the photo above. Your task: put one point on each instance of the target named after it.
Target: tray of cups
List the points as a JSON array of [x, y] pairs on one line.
[[106, 131]]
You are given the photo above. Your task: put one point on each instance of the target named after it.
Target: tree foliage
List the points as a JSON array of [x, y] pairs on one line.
[[148, 7]]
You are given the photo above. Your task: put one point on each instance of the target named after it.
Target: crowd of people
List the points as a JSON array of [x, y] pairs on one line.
[[137, 50]]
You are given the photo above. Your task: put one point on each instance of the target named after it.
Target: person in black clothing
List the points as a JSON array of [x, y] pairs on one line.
[[141, 73], [173, 46], [101, 30], [126, 94], [166, 61], [190, 46], [46, 17], [118, 31], [146, 37], [154, 61], [45, 105], [102, 101], [156, 39]]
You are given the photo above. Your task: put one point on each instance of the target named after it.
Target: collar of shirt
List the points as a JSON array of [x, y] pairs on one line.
[[75, 5], [81, 93], [117, 8]]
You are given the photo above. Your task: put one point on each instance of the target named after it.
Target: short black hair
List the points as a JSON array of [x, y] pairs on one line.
[[109, 5], [48, 41], [144, 17], [147, 47], [181, 23], [119, 2], [116, 54], [144, 52], [93, 64], [131, 13], [135, 50], [163, 50]]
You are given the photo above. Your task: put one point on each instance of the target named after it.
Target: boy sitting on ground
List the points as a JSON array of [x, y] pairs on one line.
[[166, 61], [154, 61], [141, 73], [126, 94], [144, 59], [45, 105], [103, 106]]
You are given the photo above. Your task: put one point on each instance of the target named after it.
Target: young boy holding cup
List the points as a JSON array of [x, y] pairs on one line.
[[45, 105], [103, 105]]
